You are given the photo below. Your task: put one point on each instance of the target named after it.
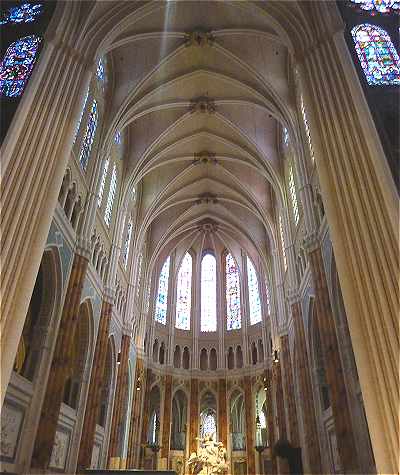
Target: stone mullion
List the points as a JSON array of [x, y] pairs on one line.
[[121, 392], [32, 172], [280, 407], [222, 412], [251, 458], [59, 366], [193, 414], [270, 417], [333, 365], [166, 433], [134, 428], [290, 394], [96, 384], [364, 232], [307, 399]]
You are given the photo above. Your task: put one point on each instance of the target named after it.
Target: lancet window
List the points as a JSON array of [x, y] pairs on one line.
[[100, 71], [111, 196], [89, 136], [103, 181], [232, 283], [307, 128], [184, 294], [25, 13], [293, 196], [78, 125], [208, 320], [254, 293], [17, 65], [282, 242], [127, 242], [162, 293], [377, 55]]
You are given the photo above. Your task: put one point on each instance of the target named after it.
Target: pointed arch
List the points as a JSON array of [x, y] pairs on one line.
[[162, 293], [232, 293], [254, 293], [184, 293], [208, 319]]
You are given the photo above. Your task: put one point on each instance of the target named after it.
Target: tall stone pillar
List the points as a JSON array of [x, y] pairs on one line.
[[166, 433], [280, 403], [121, 392], [132, 460], [193, 414], [222, 412], [146, 409], [333, 365], [306, 393], [250, 424], [270, 418], [59, 366], [95, 388], [290, 391]]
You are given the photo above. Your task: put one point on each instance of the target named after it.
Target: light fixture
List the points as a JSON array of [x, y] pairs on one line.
[[119, 358], [276, 358]]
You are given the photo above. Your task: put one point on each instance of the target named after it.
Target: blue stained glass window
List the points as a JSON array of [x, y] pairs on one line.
[[103, 182], [25, 13], [162, 293], [254, 294], [100, 72], [293, 196], [208, 320], [17, 65], [78, 125], [377, 55], [89, 136], [111, 196], [117, 137], [184, 294], [233, 313], [286, 136], [377, 6]]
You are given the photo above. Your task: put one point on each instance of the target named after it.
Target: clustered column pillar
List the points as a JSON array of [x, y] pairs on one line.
[[222, 412], [280, 407], [307, 399], [270, 418], [194, 414], [59, 366], [333, 365], [251, 460], [120, 394], [132, 460], [290, 393], [96, 384], [166, 433]]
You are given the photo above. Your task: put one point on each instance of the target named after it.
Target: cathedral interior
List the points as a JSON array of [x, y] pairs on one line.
[[200, 235]]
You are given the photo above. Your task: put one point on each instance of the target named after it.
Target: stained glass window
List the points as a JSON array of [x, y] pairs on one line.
[[162, 293], [208, 321], [377, 55], [307, 127], [254, 294], [282, 241], [263, 422], [293, 196], [100, 70], [25, 13], [208, 424], [78, 125], [117, 137], [127, 242], [233, 313], [111, 196], [184, 293], [285, 136], [377, 6], [17, 65], [89, 136], [139, 275], [103, 182], [267, 297]]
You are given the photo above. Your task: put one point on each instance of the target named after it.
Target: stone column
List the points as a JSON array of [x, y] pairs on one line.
[[146, 408], [279, 398], [120, 394], [222, 412], [270, 418], [35, 153], [193, 415], [250, 421], [290, 392], [166, 432], [306, 393], [95, 389], [59, 366], [333, 365], [132, 459]]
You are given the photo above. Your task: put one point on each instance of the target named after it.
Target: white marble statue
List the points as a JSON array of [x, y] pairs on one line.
[[210, 459]]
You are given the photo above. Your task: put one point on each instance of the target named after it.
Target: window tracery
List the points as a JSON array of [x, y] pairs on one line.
[[208, 320], [162, 293], [17, 65], [184, 294], [377, 6], [111, 196], [233, 313], [254, 293], [378, 57], [25, 13], [89, 136]]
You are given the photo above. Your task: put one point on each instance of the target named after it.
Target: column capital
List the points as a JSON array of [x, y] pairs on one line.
[[293, 296], [83, 247], [109, 295], [127, 329], [311, 241]]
